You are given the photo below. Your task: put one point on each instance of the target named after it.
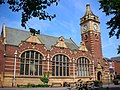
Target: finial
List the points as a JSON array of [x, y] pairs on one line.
[[3, 25], [88, 8], [88, 4]]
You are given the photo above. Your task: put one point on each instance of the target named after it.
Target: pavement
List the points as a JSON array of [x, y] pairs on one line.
[[61, 88], [110, 86]]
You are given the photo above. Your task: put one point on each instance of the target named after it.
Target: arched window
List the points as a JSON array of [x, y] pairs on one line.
[[82, 67], [31, 63], [60, 65]]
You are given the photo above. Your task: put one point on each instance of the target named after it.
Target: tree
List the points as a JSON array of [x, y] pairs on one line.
[[112, 7], [31, 8]]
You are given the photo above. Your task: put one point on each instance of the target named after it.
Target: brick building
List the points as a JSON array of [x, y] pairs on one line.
[[25, 57], [116, 61]]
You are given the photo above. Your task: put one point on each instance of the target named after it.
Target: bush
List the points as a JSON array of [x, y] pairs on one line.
[[33, 86], [118, 76], [115, 81], [44, 79], [98, 83]]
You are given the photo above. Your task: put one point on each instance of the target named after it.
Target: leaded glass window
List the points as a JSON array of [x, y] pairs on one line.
[[31, 63], [60, 65], [82, 67]]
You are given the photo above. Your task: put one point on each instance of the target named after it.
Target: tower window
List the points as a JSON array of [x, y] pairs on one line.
[[86, 37], [96, 36]]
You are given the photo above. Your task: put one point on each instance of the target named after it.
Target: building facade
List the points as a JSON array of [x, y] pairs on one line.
[[25, 57], [116, 61]]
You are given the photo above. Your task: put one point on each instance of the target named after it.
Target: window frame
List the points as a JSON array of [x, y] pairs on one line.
[[60, 64], [28, 58], [83, 67]]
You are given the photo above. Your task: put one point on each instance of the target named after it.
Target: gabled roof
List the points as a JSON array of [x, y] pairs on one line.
[[116, 58], [15, 36], [61, 42], [83, 47], [33, 39], [107, 59]]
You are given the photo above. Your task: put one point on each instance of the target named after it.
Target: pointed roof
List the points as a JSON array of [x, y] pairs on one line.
[[15, 36], [89, 15], [88, 10]]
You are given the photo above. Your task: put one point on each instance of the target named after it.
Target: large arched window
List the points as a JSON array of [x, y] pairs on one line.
[[82, 67], [60, 65], [31, 63]]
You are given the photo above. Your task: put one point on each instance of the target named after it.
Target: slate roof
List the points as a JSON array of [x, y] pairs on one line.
[[107, 59], [15, 36], [116, 58]]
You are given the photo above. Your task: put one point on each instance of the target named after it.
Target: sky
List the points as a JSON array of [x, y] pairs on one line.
[[66, 23]]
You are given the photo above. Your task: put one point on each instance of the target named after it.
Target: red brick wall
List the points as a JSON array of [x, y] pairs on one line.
[[2, 61], [24, 46], [93, 44], [117, 67]]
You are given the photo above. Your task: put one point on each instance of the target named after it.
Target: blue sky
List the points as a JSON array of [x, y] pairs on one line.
[[66, 23]]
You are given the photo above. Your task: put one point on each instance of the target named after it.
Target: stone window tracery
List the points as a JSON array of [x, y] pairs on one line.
[[82, 67], [60, 65], [31, 63]]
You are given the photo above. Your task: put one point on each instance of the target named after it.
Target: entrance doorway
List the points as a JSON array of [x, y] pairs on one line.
[[99, 75]]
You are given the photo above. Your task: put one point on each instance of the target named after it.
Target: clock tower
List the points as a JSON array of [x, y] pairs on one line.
[[90, 32]]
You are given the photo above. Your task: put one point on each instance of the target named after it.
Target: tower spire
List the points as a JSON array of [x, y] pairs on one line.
[[88, 10], [89, 15]]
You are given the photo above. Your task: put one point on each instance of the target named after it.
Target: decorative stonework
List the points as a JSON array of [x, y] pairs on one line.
[[83, 47], [33, 39], [89, 48], [4, 34], [61, 42]]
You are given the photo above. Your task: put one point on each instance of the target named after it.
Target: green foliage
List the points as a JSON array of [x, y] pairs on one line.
[[115, 81], [98, 83], [33, 31], [112, 7], [31, 8], [118, 76], [33, 86], [44, 79], [118, 49]]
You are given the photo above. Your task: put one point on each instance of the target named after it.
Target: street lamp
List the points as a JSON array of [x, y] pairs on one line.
[[14, 81]]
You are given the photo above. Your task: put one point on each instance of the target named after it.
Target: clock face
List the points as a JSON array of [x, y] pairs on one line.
[[85, 27], [95, 26]]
